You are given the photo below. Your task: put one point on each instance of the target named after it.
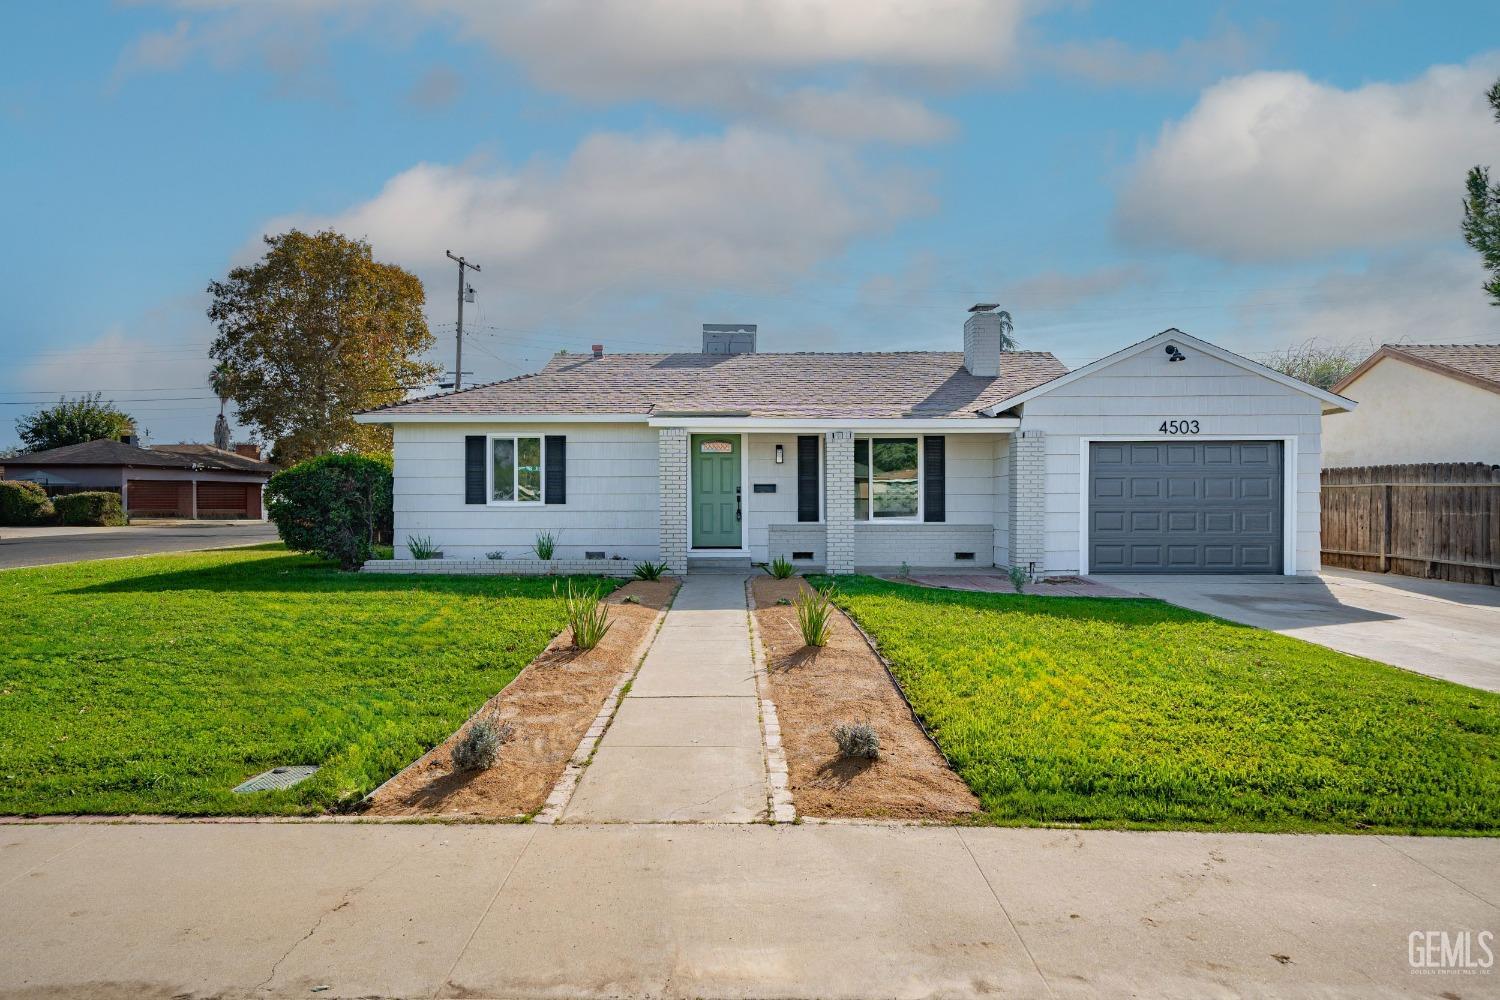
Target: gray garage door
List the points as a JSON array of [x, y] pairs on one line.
[[1185, 507]]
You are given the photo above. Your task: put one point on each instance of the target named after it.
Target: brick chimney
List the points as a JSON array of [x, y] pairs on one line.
[[248, 449], [598, 350], [982, 335]]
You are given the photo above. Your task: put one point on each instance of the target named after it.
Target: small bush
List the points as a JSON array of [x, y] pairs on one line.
[[23, 503], [1018, 579], [497, 555], [338, 506], [630, 599], [781, 568], [784, 600], [587, 616], [814, 616], [857, 741], [382, 552], [479, 747], [545, 546], [99, 509], [423, 547], [905, 570], [649, 570]]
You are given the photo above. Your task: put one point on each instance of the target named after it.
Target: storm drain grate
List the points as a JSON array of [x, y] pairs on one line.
[[278, 777]]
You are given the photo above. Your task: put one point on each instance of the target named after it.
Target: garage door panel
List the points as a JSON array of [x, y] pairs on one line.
[[1186, 507]]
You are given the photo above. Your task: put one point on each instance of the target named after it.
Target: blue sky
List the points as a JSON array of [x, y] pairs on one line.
[[848, 175]]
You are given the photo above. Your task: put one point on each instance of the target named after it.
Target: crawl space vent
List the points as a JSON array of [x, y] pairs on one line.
[[963, 556], [278, 777], [802, 556]]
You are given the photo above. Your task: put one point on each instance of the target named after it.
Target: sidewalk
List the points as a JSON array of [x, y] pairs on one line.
[[685, 745], [270, 910]]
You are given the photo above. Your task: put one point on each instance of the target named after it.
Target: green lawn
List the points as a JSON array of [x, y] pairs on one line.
[[1139, 713], [158, 684]]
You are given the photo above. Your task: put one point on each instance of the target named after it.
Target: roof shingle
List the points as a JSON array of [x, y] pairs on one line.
[[922, 384]]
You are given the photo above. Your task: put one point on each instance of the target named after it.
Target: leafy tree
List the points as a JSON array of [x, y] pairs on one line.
[[1482, 214], [73, 421], [315, 331], [338, 506], [1318, 364]]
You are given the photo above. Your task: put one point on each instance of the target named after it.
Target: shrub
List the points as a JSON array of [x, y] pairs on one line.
[[630, 599], [545, 546], [1018, 579], [497, 555], [382, 552], [784, 600], [649, 570], [423, 547], [905, 570], [337, 506], [98, 509], [857, 741], [23, 503], [478, 749], [814, 616], [781, 568], [587, 616]]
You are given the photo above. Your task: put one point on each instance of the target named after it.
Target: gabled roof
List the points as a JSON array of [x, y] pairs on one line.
[[1476, 364], [916, 384], [1332, 402], [106, 451]]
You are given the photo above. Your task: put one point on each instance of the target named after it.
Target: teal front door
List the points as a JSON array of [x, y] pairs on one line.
[[717, 514]]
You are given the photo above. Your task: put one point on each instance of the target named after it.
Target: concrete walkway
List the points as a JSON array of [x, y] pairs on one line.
[[685, 745], [1432, 627], [360, 910]]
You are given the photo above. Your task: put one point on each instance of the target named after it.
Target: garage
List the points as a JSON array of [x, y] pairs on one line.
[[1185, 506]]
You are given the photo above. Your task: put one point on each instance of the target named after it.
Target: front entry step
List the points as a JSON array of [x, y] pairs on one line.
[[719, 564]]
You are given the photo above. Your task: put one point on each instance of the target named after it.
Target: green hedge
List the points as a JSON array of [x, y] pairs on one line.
[[98, 509], [337, 506], [23, 503]]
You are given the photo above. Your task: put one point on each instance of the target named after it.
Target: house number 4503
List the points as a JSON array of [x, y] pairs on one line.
[[1178, 427]]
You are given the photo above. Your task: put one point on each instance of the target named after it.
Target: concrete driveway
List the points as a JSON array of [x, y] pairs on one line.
[[1447, 630], [44, 546]]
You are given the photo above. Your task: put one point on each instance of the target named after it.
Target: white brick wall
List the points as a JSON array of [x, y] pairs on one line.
[[838, 508], [784, 539], [921, 545], [672, 463], [1028, 499]]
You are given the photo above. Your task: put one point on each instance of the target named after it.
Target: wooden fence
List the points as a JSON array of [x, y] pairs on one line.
[[1439, 521]]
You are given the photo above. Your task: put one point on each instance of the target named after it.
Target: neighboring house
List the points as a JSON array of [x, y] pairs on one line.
[[1170, 456], [1419, 403], [170, 480]]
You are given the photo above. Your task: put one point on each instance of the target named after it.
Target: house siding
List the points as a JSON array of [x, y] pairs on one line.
[[1132, 397], [613, 490], [1409, 415]]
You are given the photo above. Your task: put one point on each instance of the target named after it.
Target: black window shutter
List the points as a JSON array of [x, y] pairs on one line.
[[474, 468], [807, 477], [557, 469], [934, 478]]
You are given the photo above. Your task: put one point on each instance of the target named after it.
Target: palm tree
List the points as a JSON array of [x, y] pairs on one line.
[[1007, 330]]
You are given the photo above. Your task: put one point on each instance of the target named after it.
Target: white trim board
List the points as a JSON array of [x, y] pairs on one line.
[[1288, 488], [1332, 401]]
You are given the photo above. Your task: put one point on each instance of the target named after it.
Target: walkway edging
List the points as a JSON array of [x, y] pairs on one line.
[[562, 792], [782, 808]]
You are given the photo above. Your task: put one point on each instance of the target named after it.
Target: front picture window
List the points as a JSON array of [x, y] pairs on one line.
[[886, 478], [516, 469]]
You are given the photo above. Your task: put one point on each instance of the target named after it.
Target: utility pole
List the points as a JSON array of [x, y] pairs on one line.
[[458, 354]]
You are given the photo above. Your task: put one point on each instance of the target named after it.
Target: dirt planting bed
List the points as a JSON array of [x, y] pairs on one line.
[[550, 704], [815, 690]]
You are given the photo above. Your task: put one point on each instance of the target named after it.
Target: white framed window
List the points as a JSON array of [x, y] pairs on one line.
[[887, 479], [515, 469]]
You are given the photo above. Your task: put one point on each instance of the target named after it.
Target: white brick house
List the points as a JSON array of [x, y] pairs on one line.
[[1170, 456]]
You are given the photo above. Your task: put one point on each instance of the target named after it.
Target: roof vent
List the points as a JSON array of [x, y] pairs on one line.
[[729, 338]]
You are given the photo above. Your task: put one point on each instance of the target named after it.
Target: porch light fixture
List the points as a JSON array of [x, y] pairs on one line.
[[780, 454], [1173, 354]]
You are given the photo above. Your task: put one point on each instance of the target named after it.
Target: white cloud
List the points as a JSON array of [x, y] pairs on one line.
[[625, 214], [1110, 62], [1276, 165], [1418, 297]]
